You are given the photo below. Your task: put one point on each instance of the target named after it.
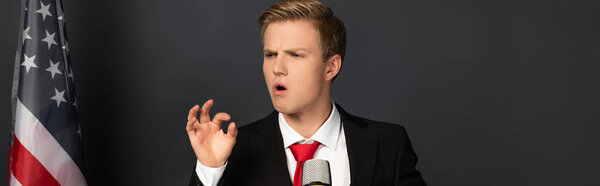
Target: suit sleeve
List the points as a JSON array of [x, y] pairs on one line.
[[195, 181], [206, 175], [407, 174]]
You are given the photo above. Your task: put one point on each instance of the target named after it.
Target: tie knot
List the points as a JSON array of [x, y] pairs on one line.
[[303, 152]]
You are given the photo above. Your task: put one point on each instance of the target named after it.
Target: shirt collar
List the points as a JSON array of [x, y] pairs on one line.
[[327, 134]]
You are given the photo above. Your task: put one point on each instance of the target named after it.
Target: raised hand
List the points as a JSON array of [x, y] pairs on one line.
[[211, 145]]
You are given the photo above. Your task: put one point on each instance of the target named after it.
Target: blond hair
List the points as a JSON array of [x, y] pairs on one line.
[[330, 28]]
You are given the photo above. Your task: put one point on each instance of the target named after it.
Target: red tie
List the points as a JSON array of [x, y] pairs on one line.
[[302, 152]]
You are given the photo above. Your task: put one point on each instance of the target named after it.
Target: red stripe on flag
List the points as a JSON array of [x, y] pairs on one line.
[[27, 169]]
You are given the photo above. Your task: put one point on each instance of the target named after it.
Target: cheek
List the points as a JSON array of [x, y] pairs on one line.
[[266, 70], [267, 75], [264, 65], [309, 78]]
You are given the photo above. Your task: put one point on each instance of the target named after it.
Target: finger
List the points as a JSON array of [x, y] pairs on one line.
[[232, 130], [190, 124], [204, 117], [193, 111], [220, 117]]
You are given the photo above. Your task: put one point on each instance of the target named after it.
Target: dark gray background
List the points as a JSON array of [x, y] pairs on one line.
[[491, 92]]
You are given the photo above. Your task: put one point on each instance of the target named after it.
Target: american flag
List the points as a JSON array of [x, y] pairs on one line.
[[45, 147]]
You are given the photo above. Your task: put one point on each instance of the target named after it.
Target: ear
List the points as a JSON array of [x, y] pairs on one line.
[[332, 67]]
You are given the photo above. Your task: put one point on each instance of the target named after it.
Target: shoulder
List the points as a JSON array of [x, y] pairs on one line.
[[368, 122], [383, 129], [387, 127], [388, 135]]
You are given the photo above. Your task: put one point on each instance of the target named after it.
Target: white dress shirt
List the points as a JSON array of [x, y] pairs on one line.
[[333, 149]]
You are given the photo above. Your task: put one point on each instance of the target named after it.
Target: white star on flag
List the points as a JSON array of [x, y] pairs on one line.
[[59, 97], [28, 63], [45, 10], [54, 68], [49, 39], [26, 34]]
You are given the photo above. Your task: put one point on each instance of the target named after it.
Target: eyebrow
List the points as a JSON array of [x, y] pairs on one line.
[[294, 50], [291, 50], [268, 51]]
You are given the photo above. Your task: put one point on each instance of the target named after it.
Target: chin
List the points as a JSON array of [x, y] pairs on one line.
[[281, 106], [278, 106]]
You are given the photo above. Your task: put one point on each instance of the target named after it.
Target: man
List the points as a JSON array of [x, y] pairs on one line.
[[304, 46]]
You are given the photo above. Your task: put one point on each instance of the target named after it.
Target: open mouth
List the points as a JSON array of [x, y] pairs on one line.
[[279, 89]]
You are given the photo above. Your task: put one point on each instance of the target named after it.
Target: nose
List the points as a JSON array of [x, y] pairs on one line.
[[279, 69]]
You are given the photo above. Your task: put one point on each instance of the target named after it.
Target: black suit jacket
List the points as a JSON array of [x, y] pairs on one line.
[[379, 154]]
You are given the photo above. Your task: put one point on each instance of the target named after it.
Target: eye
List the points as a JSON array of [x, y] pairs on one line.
[[295, 55], [269, 55]]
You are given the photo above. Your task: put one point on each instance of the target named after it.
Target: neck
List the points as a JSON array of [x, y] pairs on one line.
[[308, 121]]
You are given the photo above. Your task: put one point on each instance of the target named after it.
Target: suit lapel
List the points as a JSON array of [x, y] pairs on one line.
[[362, 148], [271, 150]]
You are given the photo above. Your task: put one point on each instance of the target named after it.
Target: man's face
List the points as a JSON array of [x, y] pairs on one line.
[[293, 65]]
